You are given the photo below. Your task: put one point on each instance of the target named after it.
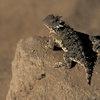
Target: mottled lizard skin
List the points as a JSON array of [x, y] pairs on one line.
[[77, 46]]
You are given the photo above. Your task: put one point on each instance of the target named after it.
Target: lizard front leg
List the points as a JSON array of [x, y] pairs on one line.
[[51, 43]]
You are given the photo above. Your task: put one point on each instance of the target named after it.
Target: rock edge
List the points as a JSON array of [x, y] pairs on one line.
[[35, 78]]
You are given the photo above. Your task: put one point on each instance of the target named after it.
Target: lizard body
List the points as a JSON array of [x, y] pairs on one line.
[[78, 47]]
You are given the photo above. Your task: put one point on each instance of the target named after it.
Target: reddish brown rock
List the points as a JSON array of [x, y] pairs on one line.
[[35, 78]]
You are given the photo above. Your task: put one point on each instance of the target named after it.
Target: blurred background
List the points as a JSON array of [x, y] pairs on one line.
[[23, 18]]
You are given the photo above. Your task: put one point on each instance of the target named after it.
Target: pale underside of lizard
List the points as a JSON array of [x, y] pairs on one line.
[[78, 47]]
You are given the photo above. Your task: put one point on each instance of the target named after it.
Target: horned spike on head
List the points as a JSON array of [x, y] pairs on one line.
[[58, 18]]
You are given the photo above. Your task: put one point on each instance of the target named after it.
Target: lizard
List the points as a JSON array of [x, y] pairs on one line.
[[78, 47]]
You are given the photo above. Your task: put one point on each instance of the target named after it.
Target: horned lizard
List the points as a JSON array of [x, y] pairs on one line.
[[78, 47]]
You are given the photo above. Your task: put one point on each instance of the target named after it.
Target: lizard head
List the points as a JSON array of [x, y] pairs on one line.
[[53, 23]]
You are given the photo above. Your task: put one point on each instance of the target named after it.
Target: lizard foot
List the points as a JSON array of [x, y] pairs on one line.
[[60, 64]]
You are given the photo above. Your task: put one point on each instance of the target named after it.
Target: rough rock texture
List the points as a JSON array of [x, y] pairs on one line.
[[35, 78]]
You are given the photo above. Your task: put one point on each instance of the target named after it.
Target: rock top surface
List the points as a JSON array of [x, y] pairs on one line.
[[35, 78]]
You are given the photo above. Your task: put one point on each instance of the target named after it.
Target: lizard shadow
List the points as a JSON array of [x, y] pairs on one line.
[[88, 49], [57, 48]]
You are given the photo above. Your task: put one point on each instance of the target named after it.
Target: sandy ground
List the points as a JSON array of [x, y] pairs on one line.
[[23, 18]]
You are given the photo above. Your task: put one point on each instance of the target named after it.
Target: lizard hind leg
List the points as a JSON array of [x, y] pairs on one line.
[[98, 50], [67, 62]]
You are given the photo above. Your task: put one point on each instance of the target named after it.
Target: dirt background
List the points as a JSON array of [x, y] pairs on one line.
[[23, 18]]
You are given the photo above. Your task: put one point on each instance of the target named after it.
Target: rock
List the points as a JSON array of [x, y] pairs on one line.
[[35, 78]]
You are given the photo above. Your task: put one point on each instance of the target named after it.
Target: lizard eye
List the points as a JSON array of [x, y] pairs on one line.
[[59, 26], [52, 21]]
